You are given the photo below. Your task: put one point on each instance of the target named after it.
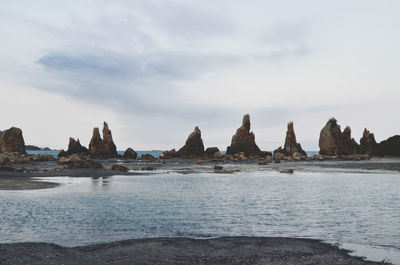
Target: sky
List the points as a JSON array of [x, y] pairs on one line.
[[156, 69]]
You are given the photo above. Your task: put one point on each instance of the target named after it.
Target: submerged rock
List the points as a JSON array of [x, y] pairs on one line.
[[194, 145], [333, 142], [104, 148], [74, 147], [11, 140], [243, 140]]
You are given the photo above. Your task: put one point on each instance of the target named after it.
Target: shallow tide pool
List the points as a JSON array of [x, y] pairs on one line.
[[359, 211]]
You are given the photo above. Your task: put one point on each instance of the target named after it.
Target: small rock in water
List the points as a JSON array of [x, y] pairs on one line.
[[218, 167], [148, 168], [287, 171], [263, 163], [119, 168]]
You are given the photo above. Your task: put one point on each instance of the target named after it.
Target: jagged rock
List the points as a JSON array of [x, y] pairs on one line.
[[11, 140], [194, 145], [104, 148], [130, 154], [333, 142], [168, 154], [389, 147], [243, 140], [291, 146], [74, 147], [119, 168], [367, 142], [210, 151]]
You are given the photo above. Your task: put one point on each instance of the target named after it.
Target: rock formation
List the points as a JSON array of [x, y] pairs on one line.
[[210, 151], [105, 147], [367, 143], [291, 146], [74, 147], [333, 141], [130, 154], [194, 145], [243, 140], [11, 140], [389, 147]]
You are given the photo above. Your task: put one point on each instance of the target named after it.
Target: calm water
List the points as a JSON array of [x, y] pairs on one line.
[[361, 211]]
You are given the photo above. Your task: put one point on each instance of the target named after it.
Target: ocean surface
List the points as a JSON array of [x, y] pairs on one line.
[[155, 153], [359, 211]]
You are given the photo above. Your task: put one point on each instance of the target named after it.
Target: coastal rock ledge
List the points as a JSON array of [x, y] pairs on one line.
[[216, 251]]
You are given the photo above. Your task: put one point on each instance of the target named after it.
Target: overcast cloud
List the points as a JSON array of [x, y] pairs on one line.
[[156, 69]]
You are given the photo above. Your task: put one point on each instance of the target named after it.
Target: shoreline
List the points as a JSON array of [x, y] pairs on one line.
[[223, 250]]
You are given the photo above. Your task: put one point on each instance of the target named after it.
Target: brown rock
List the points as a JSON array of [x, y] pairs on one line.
[[291, 145], [11, 140], [74, 147], [194, 145], [243, 140], [210, 151], [333, 142], [147, 157], [119, 168], [130, 154], [367, 143], [104, 148]]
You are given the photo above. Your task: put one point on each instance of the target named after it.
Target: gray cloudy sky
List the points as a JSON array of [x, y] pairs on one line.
[[155, 69]]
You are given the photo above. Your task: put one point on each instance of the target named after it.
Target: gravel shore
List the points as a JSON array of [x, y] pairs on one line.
[[227, 250]]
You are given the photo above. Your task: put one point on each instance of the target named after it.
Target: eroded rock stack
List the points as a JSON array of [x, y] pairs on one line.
[[388, 147], [333, 141], [104, 148], [74, 147], [368, 143], [194, 145], [291, 147], [11, 141], [243, 140]]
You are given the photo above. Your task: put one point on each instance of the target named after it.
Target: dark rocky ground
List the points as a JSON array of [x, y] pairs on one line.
[[228, 250]]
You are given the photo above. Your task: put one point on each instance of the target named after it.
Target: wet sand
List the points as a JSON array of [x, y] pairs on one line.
[[227, 250]]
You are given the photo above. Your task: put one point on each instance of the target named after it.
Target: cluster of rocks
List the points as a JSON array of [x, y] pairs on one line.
[[18, 158], [98, 147], [334, 142]]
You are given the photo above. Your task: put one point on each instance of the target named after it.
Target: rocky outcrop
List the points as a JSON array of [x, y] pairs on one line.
[[367, 143], [211, 151], [333, 141], [389, 147], [74, 147], [11, 140], [78, 161], [291, 147], [129, 154], [119, 168], [194, 145], [104, 148], [243, 140]]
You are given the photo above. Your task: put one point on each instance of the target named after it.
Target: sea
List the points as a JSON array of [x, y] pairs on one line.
[[357, 210]]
